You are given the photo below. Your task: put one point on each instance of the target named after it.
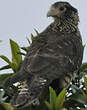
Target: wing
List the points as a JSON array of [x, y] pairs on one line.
[[52, 55]]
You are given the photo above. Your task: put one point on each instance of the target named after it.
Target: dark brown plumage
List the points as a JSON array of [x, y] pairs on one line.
[[53, 57]]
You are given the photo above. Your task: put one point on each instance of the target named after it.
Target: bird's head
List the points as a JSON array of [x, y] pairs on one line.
[[62, 10]]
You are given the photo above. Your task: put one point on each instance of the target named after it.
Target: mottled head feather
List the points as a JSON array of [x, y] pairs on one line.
[[65, 17]]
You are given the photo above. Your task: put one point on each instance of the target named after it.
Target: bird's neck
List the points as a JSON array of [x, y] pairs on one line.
[[67, 25]]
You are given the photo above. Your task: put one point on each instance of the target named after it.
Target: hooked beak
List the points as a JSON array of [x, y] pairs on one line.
[[49, 14], [52, 12]]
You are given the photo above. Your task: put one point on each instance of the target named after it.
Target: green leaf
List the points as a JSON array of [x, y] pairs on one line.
[[36, 31], [84, 46], [28, 40], [83, 67], [85, 95], [14, 66], [5, 59], [64, 109], [60, 100], [21, 53], [7, 106], [16, 58], [52, 97], [32, 36], [48, 105], [85, 82], [78, 97], [24, 48], [5, 67]]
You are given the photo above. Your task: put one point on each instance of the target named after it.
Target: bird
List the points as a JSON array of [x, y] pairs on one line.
[[52, 58]]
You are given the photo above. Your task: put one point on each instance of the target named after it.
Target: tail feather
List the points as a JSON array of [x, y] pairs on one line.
[[29, 94]]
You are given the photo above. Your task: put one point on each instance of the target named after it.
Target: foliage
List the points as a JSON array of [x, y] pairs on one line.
[[75, 98], [6, 106], [56, 102], [16, 58]]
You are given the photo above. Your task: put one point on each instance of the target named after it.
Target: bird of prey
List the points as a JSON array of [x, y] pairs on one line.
[[52, 58]]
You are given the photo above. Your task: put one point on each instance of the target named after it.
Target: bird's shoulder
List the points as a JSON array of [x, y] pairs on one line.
[[55, 40]]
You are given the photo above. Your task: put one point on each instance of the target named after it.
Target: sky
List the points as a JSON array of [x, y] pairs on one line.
[[18, 18]]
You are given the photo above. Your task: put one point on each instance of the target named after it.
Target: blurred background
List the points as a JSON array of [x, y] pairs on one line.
[[18, 18]]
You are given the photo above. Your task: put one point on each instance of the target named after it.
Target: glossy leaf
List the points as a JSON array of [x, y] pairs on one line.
[[78, 97], [24, 48], [52, 97], [49, 105], [85, 95], [28, 40], [36, 31], [16, 58], [5, 67], [84, 46], [14, 67], [5, 59], [64, 109], [60, 100], [7, 106], [21, 53], [32, 36], [85, 82], [83, 67]]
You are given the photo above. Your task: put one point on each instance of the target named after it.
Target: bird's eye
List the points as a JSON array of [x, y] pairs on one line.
[[62, 8]]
